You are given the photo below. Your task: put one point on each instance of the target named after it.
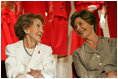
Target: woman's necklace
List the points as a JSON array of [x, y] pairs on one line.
[[27, 51]]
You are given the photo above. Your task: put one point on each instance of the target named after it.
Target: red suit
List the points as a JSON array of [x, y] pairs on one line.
[[58, 26], [112, 18], [80, 5], [8, 36], [36, 7]]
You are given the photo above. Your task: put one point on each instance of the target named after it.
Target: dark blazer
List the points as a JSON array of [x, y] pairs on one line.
[[89, 62]]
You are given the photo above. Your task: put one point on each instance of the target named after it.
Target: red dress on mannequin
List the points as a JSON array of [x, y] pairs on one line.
[[8, 36], [58, 26], [112, 18], [80, 5]]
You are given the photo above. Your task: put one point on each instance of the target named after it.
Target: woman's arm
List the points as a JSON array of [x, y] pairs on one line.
[[10, 62], [82, 71], [49, 70], [111, 75], [111, 69]]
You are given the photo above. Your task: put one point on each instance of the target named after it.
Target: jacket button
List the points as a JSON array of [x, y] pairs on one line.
[[98, 56], [100, 64], [60, 7]]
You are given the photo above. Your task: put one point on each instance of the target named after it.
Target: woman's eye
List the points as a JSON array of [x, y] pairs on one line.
[[38, 25], [80, 23], [75, 27]]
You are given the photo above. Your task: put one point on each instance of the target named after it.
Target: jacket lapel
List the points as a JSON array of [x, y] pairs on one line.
[[35, 57], [20, 50]]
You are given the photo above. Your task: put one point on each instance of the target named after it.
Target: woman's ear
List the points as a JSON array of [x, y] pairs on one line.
[[92, 26], [26, 30]]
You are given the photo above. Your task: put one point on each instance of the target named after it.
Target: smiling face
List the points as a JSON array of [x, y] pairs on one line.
[[35, 31], [82, 28]]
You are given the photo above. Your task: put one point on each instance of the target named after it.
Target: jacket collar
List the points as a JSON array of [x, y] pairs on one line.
[[20, 43], [91, 50]]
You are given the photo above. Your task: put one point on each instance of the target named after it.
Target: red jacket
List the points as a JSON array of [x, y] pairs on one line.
[[79, 5], [36, 7], [58, 8], [112, 18], [8, 36]]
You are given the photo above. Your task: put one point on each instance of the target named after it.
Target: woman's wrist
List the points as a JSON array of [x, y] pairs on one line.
[[28, 76]]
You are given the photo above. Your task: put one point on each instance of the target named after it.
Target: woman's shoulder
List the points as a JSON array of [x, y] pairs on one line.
[[18, 43], [43, 45], [78, 50], [44, 48], [108, 38], [109, 41]]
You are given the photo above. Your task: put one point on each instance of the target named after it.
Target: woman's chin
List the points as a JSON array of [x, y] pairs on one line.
[[83, 36], [38, 41]]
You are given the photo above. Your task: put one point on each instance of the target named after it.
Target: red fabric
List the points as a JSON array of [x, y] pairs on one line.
[[58, 8], [2, 5], [68, 8], [77, 41], [35, 7], [58, 35], [58, 27], [79, 5], [7, 30], [18, 8], [112, 18], [3, 45]]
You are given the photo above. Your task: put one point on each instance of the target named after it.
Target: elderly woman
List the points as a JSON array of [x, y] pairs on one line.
[[28, 58], [97, 57]]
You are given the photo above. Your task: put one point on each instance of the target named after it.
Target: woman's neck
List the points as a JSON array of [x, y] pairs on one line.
[[28, 43], [92, 40]]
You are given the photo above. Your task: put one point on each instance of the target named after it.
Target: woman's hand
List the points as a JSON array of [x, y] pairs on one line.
[[111, 75], [92, 8], [20, 76], [36, 73], [102, 21]]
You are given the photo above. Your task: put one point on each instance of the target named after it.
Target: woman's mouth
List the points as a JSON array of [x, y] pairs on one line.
[[40, 36], [81, 32]]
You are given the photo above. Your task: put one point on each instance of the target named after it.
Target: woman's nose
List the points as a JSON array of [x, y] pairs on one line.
[[78, 28], [41, 30]]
